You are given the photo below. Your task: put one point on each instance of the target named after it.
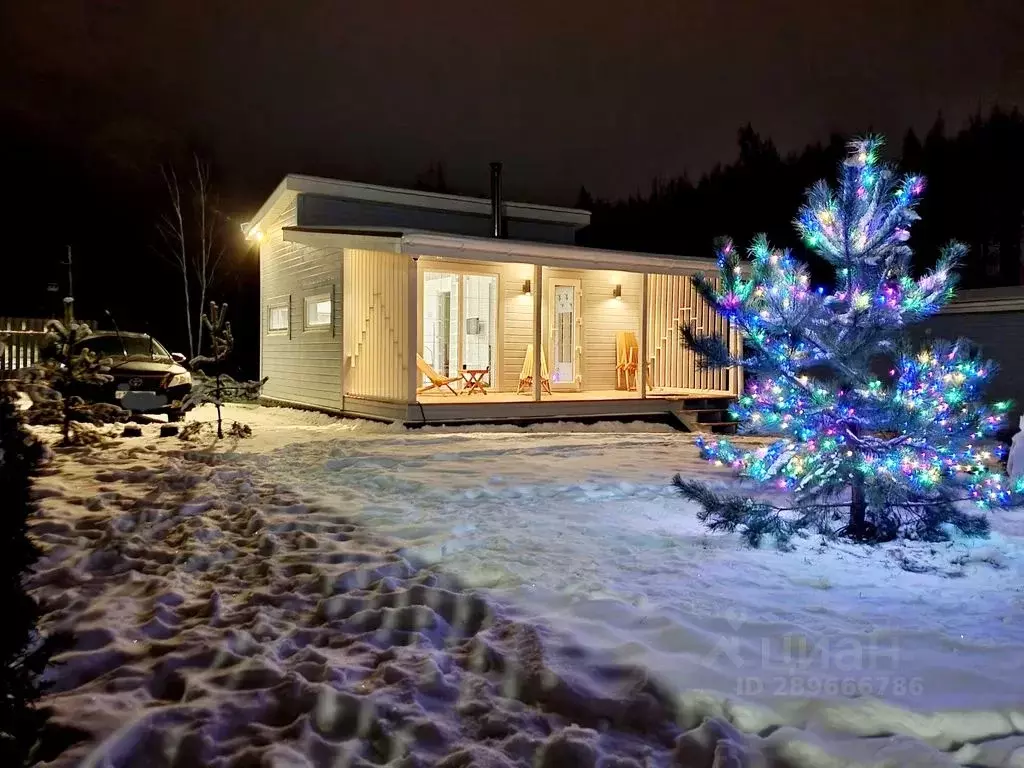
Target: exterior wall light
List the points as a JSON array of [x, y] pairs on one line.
[[617, 292], [527, 288]]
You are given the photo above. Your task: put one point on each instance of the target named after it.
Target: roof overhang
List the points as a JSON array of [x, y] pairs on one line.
[[432, 245], [295, 184], [567, 256], [373, 239], [279, 199]]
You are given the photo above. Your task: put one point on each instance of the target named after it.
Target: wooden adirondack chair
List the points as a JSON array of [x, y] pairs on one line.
[[627, 360], [526, 375], [437, 381], [628, 367]]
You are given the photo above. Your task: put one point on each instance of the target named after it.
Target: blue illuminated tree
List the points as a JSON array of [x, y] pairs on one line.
[[857, 451]]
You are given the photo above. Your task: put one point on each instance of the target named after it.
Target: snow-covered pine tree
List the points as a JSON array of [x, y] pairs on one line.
[[859, 454], [63, 383], [23, 653], [216, 386]]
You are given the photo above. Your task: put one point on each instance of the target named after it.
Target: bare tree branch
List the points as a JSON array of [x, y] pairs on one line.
[[206, 259], [172, 228], [191, 230]]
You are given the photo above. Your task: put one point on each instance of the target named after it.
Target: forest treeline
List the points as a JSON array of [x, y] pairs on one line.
[[975, 194]]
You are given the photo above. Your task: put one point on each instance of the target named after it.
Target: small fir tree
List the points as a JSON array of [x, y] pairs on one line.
[[864, 455], [65, 383], [23, 653], [216, 386]]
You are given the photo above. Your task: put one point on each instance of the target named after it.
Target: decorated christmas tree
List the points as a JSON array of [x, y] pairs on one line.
[[872, 439]]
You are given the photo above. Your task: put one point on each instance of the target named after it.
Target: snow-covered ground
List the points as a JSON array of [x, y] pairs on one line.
[[292, 601]]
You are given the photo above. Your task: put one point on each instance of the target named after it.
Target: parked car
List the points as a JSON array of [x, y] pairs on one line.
[[146, 377]]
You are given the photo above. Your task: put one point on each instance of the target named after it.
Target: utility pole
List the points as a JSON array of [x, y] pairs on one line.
[[69, 300]]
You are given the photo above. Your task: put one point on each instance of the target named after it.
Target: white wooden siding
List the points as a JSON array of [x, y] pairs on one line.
[[517, 314], [377, 304], [302, 366], [603, 317]]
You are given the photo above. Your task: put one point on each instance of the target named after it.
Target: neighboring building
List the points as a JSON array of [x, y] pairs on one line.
[[358, 280], [992, 318]]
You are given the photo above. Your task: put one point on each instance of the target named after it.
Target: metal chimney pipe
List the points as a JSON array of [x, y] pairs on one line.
[[497, 219]]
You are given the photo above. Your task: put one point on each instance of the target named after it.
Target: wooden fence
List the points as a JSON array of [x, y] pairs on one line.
[[21, 339]]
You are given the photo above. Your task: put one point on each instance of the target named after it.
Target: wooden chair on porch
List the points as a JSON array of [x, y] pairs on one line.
[[627, 360], [526, 375], [437, 381]]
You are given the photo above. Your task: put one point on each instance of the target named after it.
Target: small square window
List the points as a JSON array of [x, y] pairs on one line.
[[277, 318], [319, 311]]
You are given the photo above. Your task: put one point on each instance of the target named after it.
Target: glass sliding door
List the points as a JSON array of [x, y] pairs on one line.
[[480, 323], [441, 322], [460, 323]]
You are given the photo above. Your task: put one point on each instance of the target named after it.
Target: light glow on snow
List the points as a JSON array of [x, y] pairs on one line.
[[839, 654]]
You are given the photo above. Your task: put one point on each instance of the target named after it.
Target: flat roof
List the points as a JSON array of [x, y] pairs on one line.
[[295, 184], [417, 243]]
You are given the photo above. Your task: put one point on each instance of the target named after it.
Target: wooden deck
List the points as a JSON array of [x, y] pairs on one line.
[[690, 410], [492, 397], [693, 411]]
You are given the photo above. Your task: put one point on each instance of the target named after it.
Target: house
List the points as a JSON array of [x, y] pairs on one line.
[[370, 296]]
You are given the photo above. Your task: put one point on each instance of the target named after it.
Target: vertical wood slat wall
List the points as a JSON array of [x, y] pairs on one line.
[[376, 324], [673, 301]]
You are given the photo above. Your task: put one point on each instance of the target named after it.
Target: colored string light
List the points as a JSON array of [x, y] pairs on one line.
[[922, 432]]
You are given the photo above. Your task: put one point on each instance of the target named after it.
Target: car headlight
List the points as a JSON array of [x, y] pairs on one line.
[[180, 379]]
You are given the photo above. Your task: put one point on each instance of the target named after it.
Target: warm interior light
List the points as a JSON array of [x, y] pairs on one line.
[[527, 288], [617, 292]]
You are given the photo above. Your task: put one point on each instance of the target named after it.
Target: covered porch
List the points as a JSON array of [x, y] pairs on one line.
[[439, 328], [487, 321]]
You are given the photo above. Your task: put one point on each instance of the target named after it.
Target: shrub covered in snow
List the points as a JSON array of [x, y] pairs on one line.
[[23, 653], [60, 384], [215, 386]]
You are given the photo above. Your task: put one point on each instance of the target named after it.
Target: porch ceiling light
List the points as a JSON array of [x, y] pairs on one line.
[[617, 292], [527, 288]]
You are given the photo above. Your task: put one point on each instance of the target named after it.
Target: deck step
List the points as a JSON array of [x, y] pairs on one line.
[[712, 420]]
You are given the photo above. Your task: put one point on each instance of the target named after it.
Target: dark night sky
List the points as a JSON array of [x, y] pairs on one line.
[[566, 92]]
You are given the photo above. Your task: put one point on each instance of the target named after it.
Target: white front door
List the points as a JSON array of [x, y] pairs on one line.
[[564, 324]]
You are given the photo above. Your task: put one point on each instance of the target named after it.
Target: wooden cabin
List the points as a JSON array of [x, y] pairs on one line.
[[370, 296]]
